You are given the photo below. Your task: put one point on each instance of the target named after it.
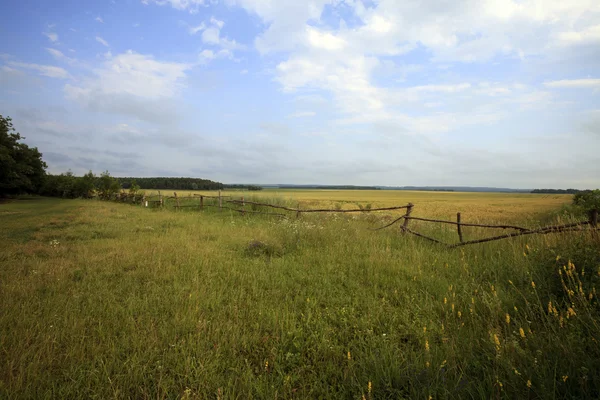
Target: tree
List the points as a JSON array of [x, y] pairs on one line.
[[588, 200], [107, 186], [22, 169]]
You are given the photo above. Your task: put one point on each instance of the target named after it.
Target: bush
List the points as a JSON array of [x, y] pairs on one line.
[[587, 200]]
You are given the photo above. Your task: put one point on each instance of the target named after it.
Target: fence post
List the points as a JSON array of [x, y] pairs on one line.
[[176, 201], [298, 211], [160, 200], [594, 218], [458, 227], [243, 205], [144, 200], [220, 202], [406, 219], [201, 204]]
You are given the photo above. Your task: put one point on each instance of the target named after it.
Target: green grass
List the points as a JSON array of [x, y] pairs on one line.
[[106, 300]]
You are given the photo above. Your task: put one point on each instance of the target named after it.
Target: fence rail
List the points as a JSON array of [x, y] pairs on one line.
[[405, 218]]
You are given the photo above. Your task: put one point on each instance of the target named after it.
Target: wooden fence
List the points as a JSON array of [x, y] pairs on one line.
[[222, 201]]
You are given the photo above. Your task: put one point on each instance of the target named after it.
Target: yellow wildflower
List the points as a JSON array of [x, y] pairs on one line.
[[349, 356], [426, 345], [565, 377], [522, 333], [427, 364], [528, 383], [452, 307], [369, 387], [571, 312], [267, 365], [517, 372], [459, 314], [445, 300], [533, 284], [507, 318]]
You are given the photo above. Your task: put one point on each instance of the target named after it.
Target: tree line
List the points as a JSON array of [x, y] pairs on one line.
[[171, 183], [556, 191]]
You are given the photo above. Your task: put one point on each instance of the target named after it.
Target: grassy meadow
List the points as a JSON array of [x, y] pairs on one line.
[[108, 300]]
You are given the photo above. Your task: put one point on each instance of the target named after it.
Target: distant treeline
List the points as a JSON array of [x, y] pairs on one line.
[[243, 187], [171, 183], [327, 187], [556, 191], [68, 185]]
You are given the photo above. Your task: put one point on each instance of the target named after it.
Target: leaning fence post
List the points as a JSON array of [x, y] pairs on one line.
[[458, 227], [176, 201], [220, 202], [407, 216]]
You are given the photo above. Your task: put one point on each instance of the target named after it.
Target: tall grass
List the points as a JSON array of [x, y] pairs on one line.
[[107, 300]]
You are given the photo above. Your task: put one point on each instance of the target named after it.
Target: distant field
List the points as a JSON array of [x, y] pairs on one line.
[[108, 300], [490, 207]]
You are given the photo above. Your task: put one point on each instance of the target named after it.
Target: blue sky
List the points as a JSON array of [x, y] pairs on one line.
[[481, 93]]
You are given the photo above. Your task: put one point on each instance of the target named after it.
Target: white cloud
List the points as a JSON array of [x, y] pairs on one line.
[[211, 35], [53, 37], [59, 56], [188, 5], [99, 19], [102, 41], [195, 29], [574, 83], [442, 88], [133, 74], [45, 70], [302, 114]]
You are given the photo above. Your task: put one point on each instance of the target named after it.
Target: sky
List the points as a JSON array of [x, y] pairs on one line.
[[502, 93]]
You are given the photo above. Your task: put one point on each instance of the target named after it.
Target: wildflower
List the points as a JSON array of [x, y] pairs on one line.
[[424, 329], [550, 307], [459, 314], [528, 383], [369, 387], [565, 377], [427, 364], [533, 284], [445, 300], [472, 300], [452, 307], [557, 258], [349, 356], [522, 333], [426, 345], [515, 308], [507, 318], [267, 365], [517, 372], [571, 312]]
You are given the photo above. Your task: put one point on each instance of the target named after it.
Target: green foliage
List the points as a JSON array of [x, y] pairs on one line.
[[255, 187], [588, 200], [22, 169], [108, 186], [171, 183]]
